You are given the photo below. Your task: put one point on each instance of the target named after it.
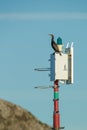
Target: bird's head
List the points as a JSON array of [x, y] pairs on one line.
[[52, 36]]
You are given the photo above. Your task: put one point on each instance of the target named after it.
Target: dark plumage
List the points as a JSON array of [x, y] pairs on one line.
[[54, 45]]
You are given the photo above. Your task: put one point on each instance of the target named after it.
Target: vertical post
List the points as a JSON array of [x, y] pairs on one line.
[[56, 115]]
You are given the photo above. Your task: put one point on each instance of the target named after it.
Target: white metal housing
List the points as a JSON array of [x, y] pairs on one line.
[[61, 67], [70, 53]]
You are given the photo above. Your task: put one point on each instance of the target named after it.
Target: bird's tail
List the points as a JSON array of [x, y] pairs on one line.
[[60, 53]]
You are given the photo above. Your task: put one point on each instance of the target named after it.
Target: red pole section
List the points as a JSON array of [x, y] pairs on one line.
[[56, 115]]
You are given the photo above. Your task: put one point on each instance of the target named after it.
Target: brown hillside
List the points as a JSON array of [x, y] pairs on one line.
[[13, 117]]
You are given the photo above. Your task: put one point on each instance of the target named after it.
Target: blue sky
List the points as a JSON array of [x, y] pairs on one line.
[[25, 45]]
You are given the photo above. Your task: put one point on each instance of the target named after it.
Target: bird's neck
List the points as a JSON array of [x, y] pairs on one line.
[[52, 39]]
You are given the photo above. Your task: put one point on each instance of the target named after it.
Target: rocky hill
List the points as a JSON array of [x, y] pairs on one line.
[[13, 117]]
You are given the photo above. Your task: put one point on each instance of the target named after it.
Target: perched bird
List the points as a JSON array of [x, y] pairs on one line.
[[54, 45]]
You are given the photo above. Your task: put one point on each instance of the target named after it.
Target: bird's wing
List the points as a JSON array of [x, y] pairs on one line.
[[55, 47]]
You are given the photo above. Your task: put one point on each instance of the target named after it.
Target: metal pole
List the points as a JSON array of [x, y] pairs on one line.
[[56, 115]]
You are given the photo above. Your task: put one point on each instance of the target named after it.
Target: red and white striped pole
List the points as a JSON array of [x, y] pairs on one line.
[[56, 115]]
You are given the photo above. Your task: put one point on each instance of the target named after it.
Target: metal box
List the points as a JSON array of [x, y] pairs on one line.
[[58, 67], [70, 52], [61, 67]]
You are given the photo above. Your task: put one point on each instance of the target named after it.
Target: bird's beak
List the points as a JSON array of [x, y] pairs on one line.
[[52, 36]]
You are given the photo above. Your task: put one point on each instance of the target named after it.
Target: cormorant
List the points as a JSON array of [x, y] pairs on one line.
[[54, 45]]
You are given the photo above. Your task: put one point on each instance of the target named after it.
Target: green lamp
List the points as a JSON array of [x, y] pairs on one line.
[[59, 41]]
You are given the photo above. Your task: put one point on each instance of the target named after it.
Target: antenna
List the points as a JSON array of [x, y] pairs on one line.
[[43, 87], [42, 69], [67, 46], [72, 44]]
